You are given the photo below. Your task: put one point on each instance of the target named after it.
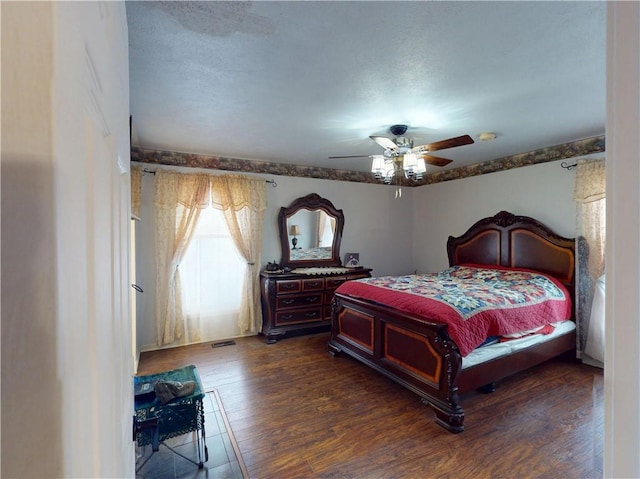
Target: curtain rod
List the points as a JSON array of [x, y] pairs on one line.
[[152, 172]]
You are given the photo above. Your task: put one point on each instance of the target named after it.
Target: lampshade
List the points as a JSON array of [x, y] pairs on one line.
[[378, 163], [389, 167], [377, 166], [294, 230], [388, 170], [410, 162], [414, 166]]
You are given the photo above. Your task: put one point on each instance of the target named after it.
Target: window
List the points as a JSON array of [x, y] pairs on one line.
[[212, 274]]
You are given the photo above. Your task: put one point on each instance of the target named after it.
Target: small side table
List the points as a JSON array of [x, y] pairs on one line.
[[156, 422]]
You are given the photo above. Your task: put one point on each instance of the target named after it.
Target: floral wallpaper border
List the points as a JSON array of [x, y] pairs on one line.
[[587, 146]]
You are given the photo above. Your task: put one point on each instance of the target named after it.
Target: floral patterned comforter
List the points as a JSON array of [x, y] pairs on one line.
[[323, 252], [474, 302]]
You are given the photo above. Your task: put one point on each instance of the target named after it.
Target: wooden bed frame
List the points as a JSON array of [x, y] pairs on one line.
[[418, 353]]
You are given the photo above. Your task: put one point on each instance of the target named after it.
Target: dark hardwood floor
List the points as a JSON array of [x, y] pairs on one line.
[[297, 412]]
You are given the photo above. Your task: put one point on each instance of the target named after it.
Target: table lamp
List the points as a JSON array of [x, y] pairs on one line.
[[294, 231]]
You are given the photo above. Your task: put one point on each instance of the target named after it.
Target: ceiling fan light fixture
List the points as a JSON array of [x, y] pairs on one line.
[[401, 158], [385, 169]]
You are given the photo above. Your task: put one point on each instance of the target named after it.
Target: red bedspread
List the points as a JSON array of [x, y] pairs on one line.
[[474, 302]]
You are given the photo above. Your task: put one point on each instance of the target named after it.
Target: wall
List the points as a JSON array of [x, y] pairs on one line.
[[67, 396], [622, 311], [543, 191], [376, 225]]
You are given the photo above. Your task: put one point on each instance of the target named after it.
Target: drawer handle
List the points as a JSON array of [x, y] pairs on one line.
[[311, 299], [287, 286], [288, 301], [311, 314], [286, 317]]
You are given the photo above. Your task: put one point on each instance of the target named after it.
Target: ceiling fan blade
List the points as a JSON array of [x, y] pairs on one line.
[[352, 156], [444, 144], [436, 160], [384, 142]]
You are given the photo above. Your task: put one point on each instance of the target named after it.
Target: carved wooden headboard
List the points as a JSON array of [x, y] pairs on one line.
[[517, 242]]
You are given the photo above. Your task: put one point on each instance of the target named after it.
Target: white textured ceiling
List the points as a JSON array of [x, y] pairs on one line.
[[297, 82]]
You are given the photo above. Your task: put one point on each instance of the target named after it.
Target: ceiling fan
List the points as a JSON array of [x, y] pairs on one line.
[[397, 148]]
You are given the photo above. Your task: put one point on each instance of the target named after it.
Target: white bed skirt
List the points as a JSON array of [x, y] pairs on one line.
[[487, 353]]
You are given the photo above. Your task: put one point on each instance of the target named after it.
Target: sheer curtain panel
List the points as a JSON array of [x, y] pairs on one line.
[[243, 201], [178, 200], [136, 190], [589, 195]]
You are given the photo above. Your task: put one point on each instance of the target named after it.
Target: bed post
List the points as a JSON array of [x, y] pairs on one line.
[[449, 412]]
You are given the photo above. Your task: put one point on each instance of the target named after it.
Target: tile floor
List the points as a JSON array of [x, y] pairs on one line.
[[222, 463]]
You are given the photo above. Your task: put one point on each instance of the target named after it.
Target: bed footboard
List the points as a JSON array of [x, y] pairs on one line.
[[420, 356], [415, 353]]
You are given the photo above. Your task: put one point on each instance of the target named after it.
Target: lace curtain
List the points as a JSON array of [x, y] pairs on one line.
[[325, 238], [589, 195], [243, 201], [178, 200], [322, 221], [136, 190]]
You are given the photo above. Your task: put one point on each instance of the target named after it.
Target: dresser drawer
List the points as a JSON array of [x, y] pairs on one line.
[[298, 301], [288, 286], [315, 284], [307, 315]]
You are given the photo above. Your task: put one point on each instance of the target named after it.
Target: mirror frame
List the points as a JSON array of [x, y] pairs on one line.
[[312, 201]]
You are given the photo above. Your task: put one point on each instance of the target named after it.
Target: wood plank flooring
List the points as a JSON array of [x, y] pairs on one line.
[[298, 412]]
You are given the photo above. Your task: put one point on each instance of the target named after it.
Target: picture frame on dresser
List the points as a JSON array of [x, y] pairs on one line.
[[352, 260]]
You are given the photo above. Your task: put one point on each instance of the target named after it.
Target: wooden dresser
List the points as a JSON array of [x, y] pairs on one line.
[[299, 303]]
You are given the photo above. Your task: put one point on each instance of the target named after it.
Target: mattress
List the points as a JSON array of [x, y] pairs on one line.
[[497, 350]]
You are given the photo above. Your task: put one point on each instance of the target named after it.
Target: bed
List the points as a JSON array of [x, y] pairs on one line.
[[417, 350], [322, 252]]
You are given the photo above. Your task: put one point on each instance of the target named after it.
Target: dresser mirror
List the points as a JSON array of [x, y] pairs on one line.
[[310, 233]]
